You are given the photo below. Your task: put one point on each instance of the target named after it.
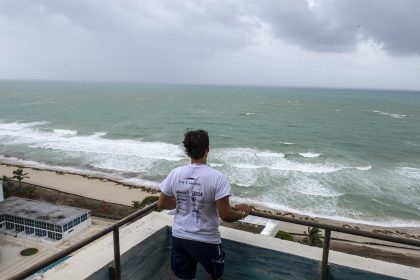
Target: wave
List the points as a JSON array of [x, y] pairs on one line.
[[65, 131], [247, 158], [287, 143], [364, 168], [410, 172], [312, 187], [380, 222], [309, 155], [70, 141], [395, 116]]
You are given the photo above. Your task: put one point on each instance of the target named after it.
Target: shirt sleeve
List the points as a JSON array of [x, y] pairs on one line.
[[223, 188], [166, 186]]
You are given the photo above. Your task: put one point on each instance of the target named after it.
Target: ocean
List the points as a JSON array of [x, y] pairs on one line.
[[350, 155]]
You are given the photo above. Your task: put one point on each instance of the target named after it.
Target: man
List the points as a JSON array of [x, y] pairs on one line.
[[200, 195]]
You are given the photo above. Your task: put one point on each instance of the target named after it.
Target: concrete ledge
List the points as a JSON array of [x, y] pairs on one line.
[[88, 261]]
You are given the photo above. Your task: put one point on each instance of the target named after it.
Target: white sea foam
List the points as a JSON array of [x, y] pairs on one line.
[[249, 114], [309, 155], [246, 166], [287, 143], [381, 222], [271, 154], [104, 154], [395, 116], [246, 158], [364, 168], [409, 172], [65, 131], [216, 164], [313, 187], [305, 167]]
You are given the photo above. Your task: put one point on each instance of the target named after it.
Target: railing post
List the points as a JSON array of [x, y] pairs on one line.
[[326, 250], [117, 261]]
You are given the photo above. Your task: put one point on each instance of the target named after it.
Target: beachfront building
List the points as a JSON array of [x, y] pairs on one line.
[[41, 220]]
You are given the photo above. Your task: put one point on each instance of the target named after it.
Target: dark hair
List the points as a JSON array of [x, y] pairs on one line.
[[196, 143]]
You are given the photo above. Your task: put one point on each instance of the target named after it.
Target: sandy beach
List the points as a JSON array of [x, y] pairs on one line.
[[87, 186]]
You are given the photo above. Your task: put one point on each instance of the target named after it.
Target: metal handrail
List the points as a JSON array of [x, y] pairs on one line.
[[142, 212], [327, 237], [114, 228], [341, 229]]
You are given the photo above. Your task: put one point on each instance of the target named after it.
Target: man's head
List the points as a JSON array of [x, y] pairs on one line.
[[196, 143]]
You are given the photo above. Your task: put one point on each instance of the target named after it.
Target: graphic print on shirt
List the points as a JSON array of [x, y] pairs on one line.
[[189, 198]]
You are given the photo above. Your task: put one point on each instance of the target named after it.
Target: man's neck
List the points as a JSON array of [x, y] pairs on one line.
[[199, 161]]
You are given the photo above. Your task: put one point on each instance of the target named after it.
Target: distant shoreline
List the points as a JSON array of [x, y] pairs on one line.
[[112, 190]]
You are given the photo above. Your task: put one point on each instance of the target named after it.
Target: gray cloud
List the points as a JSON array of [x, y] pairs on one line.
[[232, 41], [338, 26]]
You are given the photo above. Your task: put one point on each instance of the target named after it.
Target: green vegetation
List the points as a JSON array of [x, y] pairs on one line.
[[28, 191], [146, 201], [5, 180], [20, 176], [284, 235], [313, 237], [29, 252]]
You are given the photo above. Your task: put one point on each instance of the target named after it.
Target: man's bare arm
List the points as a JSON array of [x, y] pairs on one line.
[[231, 214], [166, 202]]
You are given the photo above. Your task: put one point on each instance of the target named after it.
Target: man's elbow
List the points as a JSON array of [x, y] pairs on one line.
[[161, 204], [226, 217]]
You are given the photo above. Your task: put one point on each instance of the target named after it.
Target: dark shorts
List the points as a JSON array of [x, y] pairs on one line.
[[185, 254]]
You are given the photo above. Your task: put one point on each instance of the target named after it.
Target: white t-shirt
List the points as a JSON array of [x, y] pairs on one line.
[[196, 188]]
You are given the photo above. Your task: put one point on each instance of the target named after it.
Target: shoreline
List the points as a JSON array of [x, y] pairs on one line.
[[81, 184], [111, 190], [97, 188]]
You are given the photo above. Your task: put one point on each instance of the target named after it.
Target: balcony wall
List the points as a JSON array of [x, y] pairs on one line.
[[146, 255]]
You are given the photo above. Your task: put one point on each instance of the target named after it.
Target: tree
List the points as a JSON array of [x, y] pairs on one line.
[[135, 204], [20, 176], [146, 201], [313, 237], [5, 180]]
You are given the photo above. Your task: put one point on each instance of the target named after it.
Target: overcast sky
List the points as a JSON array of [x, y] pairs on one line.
[[357, 44]]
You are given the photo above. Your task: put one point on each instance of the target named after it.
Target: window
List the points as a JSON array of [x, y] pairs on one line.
[[10, 225], [50, 227], [29, 222], [40, 232], [29, 230], [9, 218], [70, 224], [50, 235], [19, 228], [58, 228], [1, 218], [76, 221], [59, 236], [65, 228], [84, 217], [20, 220]]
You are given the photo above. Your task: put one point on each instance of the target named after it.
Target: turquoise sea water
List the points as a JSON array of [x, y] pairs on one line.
[[343, 154]]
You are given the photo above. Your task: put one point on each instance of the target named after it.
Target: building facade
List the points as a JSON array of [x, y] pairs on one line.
[[41, 220]]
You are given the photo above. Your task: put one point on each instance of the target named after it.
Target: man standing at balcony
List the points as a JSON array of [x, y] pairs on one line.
[[200, 195]]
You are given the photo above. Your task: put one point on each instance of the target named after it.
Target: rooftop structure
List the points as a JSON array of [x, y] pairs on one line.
[[40, 210], [41, 219]]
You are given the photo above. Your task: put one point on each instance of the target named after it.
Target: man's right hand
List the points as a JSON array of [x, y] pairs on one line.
[[244, 208]]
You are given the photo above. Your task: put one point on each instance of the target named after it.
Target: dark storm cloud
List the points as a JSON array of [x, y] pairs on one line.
[[338, 26]]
